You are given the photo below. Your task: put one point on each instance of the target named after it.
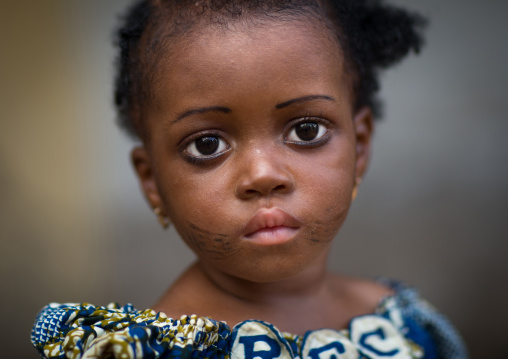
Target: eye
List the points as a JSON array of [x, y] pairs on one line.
[[304, 132], [206, 146]]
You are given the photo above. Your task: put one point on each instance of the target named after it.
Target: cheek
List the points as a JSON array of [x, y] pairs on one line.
[[192, 203], [329, 191], [331, 205], [214, 246], [187, 194]]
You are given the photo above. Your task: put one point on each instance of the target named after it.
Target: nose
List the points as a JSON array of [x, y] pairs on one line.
[[263, 174]]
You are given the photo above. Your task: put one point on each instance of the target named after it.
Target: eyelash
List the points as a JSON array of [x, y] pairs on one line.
[[208, 159], [311, 143], [205, 159]]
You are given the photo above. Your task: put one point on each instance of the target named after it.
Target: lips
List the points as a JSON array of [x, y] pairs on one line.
[[271, 226]]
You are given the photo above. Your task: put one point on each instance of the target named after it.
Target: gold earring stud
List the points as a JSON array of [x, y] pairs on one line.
[[163, 220], [358, 181]]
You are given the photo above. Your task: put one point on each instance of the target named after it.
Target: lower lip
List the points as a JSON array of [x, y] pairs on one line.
[[272, 236]]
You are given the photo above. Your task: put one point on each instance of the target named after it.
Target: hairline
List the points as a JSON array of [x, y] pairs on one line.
[[158, 49]]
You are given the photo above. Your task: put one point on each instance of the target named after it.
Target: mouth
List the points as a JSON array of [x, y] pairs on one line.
[[271, 226]]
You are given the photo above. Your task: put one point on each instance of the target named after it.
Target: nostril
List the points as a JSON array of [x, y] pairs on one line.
[[252, 192], [263, 181]]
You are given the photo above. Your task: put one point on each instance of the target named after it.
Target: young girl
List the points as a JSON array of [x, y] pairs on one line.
[[255, 119]]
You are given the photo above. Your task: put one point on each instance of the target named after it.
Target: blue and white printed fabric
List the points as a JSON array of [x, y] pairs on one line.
[[403, 327]]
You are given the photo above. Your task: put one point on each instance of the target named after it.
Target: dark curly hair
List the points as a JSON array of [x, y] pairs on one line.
[[371, 34]]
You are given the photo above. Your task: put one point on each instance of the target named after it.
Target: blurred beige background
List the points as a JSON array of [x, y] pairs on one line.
[[433, 210]]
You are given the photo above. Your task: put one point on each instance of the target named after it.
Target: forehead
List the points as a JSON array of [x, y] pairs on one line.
[[246, 59]]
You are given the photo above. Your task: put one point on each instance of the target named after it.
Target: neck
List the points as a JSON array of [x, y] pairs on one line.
[[285, 303], [309, 283]]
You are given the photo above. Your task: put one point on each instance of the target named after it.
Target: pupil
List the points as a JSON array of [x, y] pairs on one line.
[[207, 145], [307, 131]]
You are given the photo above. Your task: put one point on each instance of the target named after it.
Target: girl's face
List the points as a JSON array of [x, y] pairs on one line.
[[253, 148]]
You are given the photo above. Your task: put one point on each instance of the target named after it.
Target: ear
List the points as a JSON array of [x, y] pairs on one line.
[[364, 127], [144, 169]]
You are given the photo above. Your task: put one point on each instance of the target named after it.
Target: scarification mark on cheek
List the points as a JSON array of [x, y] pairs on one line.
[[323, 231], [318, 241], [196, 228], [213, 245]]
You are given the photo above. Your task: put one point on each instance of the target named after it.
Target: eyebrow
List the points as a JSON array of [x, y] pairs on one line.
[[303, 99], [196, 111]]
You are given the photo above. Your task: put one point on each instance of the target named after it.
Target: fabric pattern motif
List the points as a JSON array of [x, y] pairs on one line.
[[403, 327], [77, 331]]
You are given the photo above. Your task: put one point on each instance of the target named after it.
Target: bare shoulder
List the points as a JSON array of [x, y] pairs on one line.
[[190, 294], [366, 294]]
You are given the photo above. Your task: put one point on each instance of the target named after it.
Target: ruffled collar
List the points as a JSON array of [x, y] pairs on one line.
[[87, 331]]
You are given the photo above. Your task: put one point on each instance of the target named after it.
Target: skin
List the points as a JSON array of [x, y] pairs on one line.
[[250, 88]]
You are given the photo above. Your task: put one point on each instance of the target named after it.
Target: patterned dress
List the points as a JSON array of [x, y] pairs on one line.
[[403, 326]]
